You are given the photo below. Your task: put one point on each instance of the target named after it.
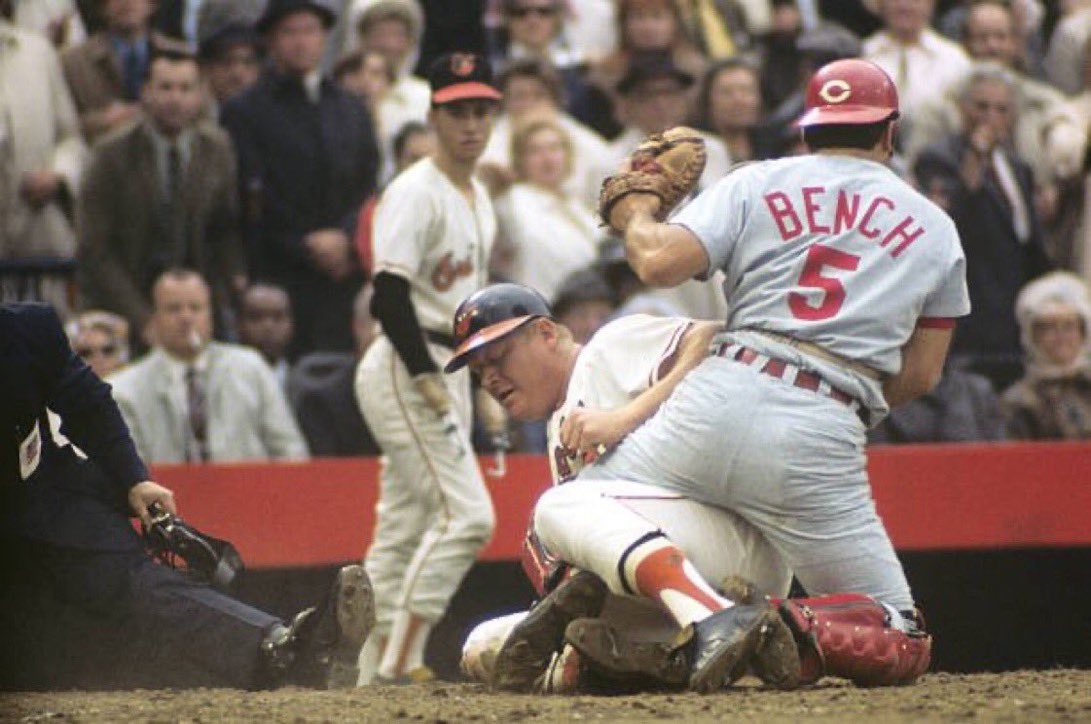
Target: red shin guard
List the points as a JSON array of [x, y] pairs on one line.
[[849, 635]]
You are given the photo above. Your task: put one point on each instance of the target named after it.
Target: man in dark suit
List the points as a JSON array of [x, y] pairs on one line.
[[161, 194], [976, 176], [307, 160], [105, 72], [64, 529]]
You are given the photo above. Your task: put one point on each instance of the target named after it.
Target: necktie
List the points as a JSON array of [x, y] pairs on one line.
[[132, 72], [198, 415], [1009, 186], [175, 217], [174, 172]]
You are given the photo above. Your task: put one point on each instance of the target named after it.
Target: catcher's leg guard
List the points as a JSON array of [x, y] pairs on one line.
[[849, 635]]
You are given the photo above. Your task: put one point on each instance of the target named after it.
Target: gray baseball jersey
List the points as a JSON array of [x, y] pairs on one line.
[[834, 250]]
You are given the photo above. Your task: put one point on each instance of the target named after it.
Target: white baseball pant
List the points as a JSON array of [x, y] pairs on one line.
[[434, 513]]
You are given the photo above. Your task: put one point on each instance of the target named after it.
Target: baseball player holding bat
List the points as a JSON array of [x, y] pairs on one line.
[[434, 229], [843, 285], [593, 396]]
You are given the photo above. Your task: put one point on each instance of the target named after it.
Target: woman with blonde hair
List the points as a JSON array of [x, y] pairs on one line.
[[545, 233], [1053, 399]]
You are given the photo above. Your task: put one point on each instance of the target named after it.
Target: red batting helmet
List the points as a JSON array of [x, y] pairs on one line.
[[490, 314], [850, 91]]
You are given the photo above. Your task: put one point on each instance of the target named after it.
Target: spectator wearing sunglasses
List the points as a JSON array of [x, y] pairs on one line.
[[535, 29], [101, 340]]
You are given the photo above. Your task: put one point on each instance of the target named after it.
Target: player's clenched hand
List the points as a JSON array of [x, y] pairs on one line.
[[431, 387], [585, 429]]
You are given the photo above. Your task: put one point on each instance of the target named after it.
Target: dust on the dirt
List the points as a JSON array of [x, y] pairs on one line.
[[1060, 695]]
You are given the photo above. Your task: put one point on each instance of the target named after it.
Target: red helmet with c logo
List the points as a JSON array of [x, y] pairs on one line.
[[850, 91]]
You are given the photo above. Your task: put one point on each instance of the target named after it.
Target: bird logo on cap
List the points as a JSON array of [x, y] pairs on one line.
[[462, 64], [462, 324], [835, 91]]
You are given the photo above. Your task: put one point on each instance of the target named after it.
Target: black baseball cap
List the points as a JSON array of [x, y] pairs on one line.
[[459, 77]]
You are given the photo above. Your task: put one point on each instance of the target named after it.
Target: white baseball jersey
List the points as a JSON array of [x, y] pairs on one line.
[[624, 358], [427, 232], [834, 250]]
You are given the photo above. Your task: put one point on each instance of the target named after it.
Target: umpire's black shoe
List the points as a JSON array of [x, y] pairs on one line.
[[529, 647], [320, 645], [719, 648]]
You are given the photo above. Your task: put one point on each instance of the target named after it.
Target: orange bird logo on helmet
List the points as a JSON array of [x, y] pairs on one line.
[[462, 324]]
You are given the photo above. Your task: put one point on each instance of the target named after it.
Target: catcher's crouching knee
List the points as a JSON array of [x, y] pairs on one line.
[[849, 635]]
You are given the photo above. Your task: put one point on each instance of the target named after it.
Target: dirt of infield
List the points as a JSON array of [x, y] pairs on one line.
[[1061, 695]]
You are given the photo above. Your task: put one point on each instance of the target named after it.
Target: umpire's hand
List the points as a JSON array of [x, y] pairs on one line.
[[144, 494]]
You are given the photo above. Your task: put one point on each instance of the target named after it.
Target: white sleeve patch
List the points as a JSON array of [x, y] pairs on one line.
[[30, 452]]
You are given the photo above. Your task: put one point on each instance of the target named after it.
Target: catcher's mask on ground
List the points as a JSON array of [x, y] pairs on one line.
[[849, 92], [490, 314]]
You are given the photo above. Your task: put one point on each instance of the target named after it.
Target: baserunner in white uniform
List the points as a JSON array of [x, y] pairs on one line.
[[434, 230], [843, 284], [593, 396]]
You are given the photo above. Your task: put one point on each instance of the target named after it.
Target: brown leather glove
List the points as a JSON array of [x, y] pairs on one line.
[[666, 165]]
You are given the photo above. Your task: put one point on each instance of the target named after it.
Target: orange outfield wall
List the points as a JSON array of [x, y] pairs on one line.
[[932, 497]]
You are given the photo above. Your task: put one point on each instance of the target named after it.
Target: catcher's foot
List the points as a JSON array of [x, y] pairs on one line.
[[614, 656], [531, 644], [718, 649], [320, 646]]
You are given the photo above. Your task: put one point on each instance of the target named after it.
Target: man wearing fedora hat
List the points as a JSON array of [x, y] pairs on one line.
[[307, 160]]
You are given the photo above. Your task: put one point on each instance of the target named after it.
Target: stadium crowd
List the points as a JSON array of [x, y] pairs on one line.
[[210, 170]]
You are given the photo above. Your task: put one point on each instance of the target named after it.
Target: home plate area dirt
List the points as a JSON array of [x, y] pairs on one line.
[[1038, 696]]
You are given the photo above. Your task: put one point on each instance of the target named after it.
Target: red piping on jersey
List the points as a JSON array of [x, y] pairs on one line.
[[935, 323]]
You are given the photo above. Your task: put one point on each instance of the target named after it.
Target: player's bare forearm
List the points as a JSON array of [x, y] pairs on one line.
[[663, 255], [585, 428], [692, 350], [922, 366]]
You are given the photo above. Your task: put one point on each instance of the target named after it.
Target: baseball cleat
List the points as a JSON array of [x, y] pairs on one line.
[[320, 646], [616, 657], [777, 662], [530, 646], [717, 649]]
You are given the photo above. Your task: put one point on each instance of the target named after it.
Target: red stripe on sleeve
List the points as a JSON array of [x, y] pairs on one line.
[[936, 323]]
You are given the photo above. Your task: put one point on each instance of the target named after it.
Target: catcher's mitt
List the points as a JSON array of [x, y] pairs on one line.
[[666, 165]]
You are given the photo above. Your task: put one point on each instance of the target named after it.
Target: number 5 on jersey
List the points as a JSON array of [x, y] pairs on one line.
[[819, 257]]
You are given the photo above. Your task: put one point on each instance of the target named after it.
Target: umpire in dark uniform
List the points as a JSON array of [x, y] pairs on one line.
[[64, 530]]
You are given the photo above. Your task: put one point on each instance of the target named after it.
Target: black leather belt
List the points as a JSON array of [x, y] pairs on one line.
[[440, 338], [807, 380]]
